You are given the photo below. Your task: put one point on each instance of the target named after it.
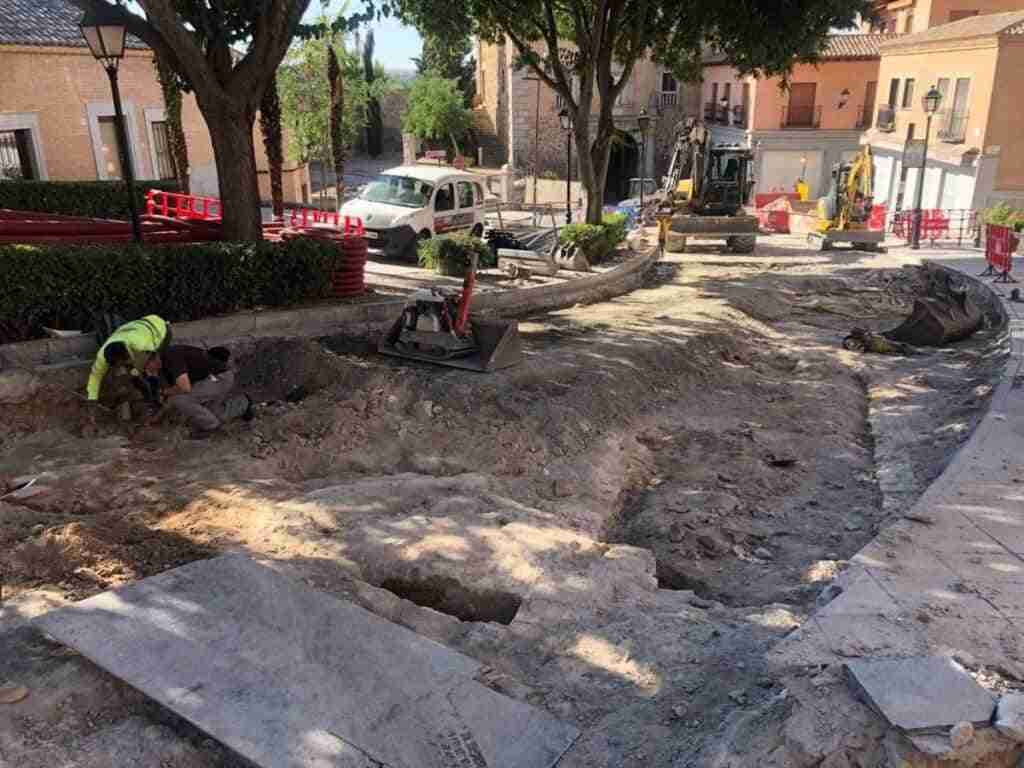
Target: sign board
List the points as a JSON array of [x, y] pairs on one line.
[[913, 153]]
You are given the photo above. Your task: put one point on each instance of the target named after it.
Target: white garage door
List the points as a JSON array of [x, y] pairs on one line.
[[780, 171]]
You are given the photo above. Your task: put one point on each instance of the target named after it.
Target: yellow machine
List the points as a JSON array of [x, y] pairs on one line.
[[705, 191], [844, 214]]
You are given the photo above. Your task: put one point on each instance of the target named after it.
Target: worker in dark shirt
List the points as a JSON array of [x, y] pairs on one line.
[[197, 384]]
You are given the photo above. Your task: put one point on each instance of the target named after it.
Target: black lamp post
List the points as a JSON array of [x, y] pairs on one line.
[[930, 102], [643, 122], [566, 120], [105, 34]]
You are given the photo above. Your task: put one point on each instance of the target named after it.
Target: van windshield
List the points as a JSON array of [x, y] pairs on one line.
[[398, 190]]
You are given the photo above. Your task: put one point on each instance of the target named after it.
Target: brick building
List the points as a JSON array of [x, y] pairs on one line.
[[56, 113], [517, 119]]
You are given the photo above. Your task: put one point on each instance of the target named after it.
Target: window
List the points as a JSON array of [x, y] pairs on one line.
[[714, 94], [397, 190], [668, 83], [162, 150], [445, 200], [110, 156], [908, 23], [908, 93], [726, 94], [942, 86], [867, 114], [801, 111], [894, 92], [465, 194], [17, 159], [479, 193], [958, 15]]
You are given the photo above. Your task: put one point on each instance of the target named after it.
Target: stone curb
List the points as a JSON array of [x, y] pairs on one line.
[[322, 320]]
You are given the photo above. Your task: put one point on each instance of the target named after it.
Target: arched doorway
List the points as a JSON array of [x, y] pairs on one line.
[[622, 166]]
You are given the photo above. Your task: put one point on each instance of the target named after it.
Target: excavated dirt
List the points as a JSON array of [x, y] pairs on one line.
[[619, 528]]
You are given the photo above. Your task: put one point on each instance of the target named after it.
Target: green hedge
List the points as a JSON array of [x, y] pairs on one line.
[[1005, 216], [97, 199], [597, 241], [67, 287], [450, 254]]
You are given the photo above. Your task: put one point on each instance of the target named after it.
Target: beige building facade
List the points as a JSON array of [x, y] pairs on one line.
[[516, 117], [57, 113], [976, 146]]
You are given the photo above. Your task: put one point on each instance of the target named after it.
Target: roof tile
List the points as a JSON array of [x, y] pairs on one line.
[[987, 25], [44, 22]]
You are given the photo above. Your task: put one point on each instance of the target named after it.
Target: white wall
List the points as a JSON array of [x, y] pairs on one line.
[[780, 170]]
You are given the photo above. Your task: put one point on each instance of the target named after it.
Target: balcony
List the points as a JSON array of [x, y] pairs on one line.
[[865, 117], [710, 110], [886, 119], [739, 115], [667, 99], [798, 117], [952, 126]]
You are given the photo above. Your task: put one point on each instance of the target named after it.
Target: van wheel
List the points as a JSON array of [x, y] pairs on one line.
[[477, 231], [414, 247]]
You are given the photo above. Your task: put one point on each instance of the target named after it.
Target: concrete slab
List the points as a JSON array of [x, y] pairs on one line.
[[287, 676], [921, 695]]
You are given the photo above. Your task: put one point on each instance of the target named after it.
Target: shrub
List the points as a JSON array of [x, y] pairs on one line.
[[68, 286], [597, 241], [97, 199], [450, 254]]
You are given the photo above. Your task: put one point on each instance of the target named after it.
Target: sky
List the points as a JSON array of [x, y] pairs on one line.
[[396, 44]]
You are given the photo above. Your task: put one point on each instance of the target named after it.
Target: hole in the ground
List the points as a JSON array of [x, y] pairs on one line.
[[672, 578], [447, 595]]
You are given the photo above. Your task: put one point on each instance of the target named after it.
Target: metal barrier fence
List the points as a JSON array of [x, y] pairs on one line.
[[959, 225]]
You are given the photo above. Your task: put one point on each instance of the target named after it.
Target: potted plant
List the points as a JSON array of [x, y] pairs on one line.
[[450, 255]]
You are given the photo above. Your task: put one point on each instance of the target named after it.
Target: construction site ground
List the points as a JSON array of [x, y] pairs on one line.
[[621, 528]]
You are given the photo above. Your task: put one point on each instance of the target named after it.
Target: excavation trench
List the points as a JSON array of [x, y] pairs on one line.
[[705, 434]]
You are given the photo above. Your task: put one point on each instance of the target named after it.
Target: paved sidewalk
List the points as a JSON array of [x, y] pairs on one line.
[[947, 579]]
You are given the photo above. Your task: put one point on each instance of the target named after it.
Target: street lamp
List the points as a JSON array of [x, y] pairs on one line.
[[566, 120], [105, 34], [930, 103], [643, 122]]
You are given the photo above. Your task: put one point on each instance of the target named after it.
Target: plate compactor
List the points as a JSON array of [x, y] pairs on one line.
[[435, 327]]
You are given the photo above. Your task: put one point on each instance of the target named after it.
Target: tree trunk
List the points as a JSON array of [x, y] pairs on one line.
[[234, 152], [273, 144], [336, 118]]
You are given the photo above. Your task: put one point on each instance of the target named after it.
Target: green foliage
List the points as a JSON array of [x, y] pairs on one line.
[[96, 199], [171, 87], [597, 241], [435, 111], [65, 286], [450, 254], [306, 98], [374, 118], [1004, 216], [450, 58]]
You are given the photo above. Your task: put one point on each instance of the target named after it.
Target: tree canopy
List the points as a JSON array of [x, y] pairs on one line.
[[436, 111], [449, 58]]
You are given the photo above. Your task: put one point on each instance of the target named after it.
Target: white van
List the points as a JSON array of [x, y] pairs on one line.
[[413, 202]]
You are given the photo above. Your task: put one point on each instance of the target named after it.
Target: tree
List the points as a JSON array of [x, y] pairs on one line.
[[435, 111], [227, 52], [273, 145], [586, 49], [336, 122], [306, 99], [450, 59], [177, 147], [374, 120]]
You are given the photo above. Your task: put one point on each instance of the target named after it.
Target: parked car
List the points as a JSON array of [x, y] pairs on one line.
[[411, 203]]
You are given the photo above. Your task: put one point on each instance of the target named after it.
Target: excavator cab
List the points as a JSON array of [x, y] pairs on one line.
[[844, 214], [726, 185]]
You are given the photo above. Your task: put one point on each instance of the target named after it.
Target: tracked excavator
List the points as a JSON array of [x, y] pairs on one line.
[[844, 214], [705, 191]]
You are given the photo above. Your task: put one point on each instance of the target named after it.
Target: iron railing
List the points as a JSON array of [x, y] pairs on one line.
[[794, 116], [959, 225], [739, 115], [710, 110], [886, 119], [13, 161], [668, 99], [952, 126]]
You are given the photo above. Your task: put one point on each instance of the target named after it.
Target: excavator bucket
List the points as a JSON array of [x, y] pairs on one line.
[[495, 345]]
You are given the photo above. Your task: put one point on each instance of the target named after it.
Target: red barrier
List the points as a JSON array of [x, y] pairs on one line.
[[876, 221], [348, 278], [1000, 243], [761, 199], [180, 206]]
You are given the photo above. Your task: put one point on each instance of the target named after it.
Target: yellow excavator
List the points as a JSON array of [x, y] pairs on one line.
[[844, 214], [705, 191]]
